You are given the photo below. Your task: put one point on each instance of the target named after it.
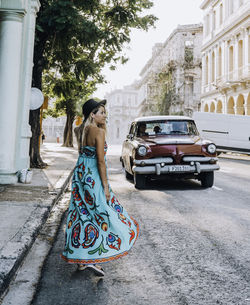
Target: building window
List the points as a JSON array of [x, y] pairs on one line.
[[207, 24], [231, 6], [230, 106], [219, 62], [248, 104], [219, 107], [214, 20], [221, 13], [206, 71], [240, 57], [231, 62], [213, 67], [240, 109], [189, 52], [212, 107]]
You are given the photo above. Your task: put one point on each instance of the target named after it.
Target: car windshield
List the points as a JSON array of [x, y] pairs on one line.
[[169, 127]]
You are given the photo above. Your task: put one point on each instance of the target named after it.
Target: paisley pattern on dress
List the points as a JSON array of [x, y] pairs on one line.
[[97, 231]]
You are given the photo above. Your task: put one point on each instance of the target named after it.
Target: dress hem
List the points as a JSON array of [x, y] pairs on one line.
[[101, 260]]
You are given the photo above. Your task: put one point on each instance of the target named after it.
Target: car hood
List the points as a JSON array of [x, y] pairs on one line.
[[164, 140]]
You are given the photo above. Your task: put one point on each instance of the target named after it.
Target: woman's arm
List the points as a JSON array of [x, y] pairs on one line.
[[100, 141]]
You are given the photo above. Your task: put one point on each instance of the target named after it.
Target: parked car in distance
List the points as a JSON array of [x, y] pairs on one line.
[[160, 146]]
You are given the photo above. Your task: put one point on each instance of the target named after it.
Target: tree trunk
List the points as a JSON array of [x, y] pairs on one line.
[[34, 118], [35, 158], [68, 130]]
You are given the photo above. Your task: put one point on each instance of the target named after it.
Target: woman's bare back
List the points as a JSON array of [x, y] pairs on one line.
[[90, 136]]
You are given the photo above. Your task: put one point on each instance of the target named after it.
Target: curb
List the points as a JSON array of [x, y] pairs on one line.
[[238, 157], [28, 234]]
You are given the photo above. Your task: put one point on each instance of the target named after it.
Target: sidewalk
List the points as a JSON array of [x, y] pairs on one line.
[[25, 207]]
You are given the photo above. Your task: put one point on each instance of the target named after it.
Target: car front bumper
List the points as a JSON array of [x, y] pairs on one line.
[[158, 168]]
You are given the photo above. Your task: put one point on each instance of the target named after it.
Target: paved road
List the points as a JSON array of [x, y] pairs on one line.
[[193, 249]]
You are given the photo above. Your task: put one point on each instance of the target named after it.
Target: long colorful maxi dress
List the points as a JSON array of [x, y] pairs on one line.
[[96, 231]]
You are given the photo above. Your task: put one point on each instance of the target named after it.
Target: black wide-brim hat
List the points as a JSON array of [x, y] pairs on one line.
[[90, 105]]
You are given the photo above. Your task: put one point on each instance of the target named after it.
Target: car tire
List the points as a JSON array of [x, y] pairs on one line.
[[140, 181], [207, 179], [128, 175]]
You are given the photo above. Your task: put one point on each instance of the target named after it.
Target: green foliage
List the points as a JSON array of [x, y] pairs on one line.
[[188, 58], [164, 82], [75, 39]]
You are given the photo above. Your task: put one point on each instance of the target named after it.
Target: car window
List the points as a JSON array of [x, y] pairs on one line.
[[142, 129], [178, 127]]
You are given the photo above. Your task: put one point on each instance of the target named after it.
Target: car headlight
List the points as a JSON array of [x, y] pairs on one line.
[[142, 150], [211, 148]]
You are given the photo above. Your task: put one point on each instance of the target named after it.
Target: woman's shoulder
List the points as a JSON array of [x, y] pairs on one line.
[[96, 130]]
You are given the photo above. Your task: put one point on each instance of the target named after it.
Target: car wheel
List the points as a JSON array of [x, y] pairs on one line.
[[207, 179], [139, 181]]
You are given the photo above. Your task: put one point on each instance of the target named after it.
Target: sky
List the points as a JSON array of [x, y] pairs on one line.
[[170, 13]]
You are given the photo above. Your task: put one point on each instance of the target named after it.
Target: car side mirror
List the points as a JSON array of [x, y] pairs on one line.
[[130, 136]]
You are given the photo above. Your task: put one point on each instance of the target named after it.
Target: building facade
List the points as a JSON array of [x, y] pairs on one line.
[[17, 29], [171, 80], [53, 128], [122, 109], [226, 57]]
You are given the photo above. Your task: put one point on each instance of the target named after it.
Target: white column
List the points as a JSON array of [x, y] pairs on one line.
[[203, 73], [236, 56], [10, 59], [223, 61], [22, 156], [215, 63], [246, 59], [226, 60], [209, 69]]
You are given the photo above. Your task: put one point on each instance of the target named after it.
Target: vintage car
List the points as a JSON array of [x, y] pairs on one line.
[[157, 146]]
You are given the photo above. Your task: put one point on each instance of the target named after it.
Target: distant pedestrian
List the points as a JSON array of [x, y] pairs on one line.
[[98, 228], [43, 137]]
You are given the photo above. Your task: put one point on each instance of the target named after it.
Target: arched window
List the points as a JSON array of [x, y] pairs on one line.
[[231, 62], [248, 104], [206, 108], [248, 49], [219, 107], [212, 107], [240, 105], [240, 57], [230, 105]]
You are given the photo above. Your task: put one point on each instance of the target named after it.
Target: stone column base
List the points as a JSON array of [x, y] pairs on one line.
[[8, 178]]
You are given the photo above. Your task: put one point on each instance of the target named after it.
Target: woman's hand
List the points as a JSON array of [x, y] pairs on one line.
[[107, 193]]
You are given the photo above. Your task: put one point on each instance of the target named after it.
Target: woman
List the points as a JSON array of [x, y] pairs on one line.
[[98, 228]]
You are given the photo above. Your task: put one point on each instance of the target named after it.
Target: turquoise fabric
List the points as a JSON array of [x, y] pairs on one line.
[[96, 231]]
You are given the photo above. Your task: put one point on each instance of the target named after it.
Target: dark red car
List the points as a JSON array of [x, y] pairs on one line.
[[168, 145]]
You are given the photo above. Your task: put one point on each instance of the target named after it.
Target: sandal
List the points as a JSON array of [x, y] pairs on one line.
[[97, 269], [81, 267]]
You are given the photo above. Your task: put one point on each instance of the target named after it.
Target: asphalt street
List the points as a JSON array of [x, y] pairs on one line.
[[193, 247]]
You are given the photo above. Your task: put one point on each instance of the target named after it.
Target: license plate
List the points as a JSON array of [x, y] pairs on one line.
[[178, 168]]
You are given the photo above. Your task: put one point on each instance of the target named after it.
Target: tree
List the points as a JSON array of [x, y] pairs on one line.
[[79, 38]]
